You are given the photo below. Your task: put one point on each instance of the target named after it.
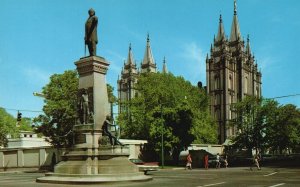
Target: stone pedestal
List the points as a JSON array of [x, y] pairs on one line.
[[87, 166], [92, 71], [88, 161]]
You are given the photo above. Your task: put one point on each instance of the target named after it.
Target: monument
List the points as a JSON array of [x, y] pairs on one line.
[[90, 160]]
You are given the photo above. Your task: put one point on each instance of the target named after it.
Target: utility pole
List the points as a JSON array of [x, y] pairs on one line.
[[162, 138]]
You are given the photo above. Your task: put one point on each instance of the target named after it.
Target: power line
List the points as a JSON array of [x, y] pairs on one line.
[[293, 95], [22, 110]]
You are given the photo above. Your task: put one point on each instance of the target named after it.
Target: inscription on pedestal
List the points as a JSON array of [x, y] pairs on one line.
[[80, 138]]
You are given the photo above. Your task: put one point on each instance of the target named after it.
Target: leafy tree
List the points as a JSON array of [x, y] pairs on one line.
[[250, 123], [264, 124], [7, 126], [283, 131], [61, 108], [170, 106], [25, 124]]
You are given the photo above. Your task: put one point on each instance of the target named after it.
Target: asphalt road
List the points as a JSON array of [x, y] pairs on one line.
[[230, 177]]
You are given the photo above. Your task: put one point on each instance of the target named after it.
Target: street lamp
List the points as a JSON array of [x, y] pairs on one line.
[[162, 138], [38, 94]]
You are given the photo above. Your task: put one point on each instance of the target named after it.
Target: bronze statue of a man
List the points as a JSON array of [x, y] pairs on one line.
[[91, 38], [84, 107]]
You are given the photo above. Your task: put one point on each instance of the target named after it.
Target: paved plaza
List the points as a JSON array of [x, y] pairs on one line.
[[230, 177]]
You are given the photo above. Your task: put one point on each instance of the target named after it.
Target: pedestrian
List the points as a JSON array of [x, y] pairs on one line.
[[206, 161], [255, 162], [225, 161], [218, 163], [188, 162]]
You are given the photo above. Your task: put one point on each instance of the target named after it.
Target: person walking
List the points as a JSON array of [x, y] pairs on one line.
[[218, 163], [225, 161], [188, 162], [255, 162], [206, 161]]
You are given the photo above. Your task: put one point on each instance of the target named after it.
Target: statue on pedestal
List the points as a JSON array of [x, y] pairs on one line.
[[105, 132], [84, 107], [90, 37]]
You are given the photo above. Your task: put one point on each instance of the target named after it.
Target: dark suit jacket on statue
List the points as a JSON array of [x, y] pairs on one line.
[[91, 38]]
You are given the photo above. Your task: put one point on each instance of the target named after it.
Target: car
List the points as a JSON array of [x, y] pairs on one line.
[[145, 166]]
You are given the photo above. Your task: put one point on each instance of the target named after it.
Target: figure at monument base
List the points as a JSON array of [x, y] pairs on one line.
[[105, 132]]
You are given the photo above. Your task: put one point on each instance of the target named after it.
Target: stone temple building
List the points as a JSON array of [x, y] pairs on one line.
[[130, 72], [231, 75]]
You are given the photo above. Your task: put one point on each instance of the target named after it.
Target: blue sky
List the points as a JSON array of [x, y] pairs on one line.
[[41, 37]]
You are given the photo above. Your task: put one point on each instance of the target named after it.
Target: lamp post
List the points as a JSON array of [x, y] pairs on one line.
[[38, 94], [162, 138]]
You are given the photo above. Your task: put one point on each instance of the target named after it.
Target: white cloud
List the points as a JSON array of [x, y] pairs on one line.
[[35, 75], [194, 62], [115, 57]]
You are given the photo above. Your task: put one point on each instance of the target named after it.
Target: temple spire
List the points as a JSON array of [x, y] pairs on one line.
[[235, 27], [235, 7], [130, 59], [221, 32], [148, 63], [248, 48]]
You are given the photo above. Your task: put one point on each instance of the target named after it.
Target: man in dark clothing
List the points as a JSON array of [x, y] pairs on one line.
[[105, 132], [91, 38]]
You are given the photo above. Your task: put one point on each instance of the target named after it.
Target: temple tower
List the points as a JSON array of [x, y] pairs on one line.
[[231, 75]]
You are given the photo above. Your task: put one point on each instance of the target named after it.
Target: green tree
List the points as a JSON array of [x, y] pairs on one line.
[[60, 108], [250, 123], [170, 106], [25, 124], [264, 124], [7, 126], [283, 130]]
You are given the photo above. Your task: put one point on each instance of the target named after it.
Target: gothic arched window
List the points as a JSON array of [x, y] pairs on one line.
[[217, 82], [230, 82], [246, 84]]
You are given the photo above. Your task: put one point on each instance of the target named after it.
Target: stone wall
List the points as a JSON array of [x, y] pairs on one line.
[[34, 158], [27, 158]]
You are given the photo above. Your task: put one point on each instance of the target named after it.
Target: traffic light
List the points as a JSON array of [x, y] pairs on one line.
[[19, 117]]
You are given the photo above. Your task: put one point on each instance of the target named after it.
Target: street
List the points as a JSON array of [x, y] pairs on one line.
[[230, 177]]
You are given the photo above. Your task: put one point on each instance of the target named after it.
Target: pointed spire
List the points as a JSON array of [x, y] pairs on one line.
[[130, 59], [235, 7], [164, 69], [207, 60], [221, 32], [148, 57], [235, 27], [248, 49], [148, 63]]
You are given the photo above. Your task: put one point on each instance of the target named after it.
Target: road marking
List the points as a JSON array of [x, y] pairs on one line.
[[270, 174], [178, 168], [280, 184], [212, 184]]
